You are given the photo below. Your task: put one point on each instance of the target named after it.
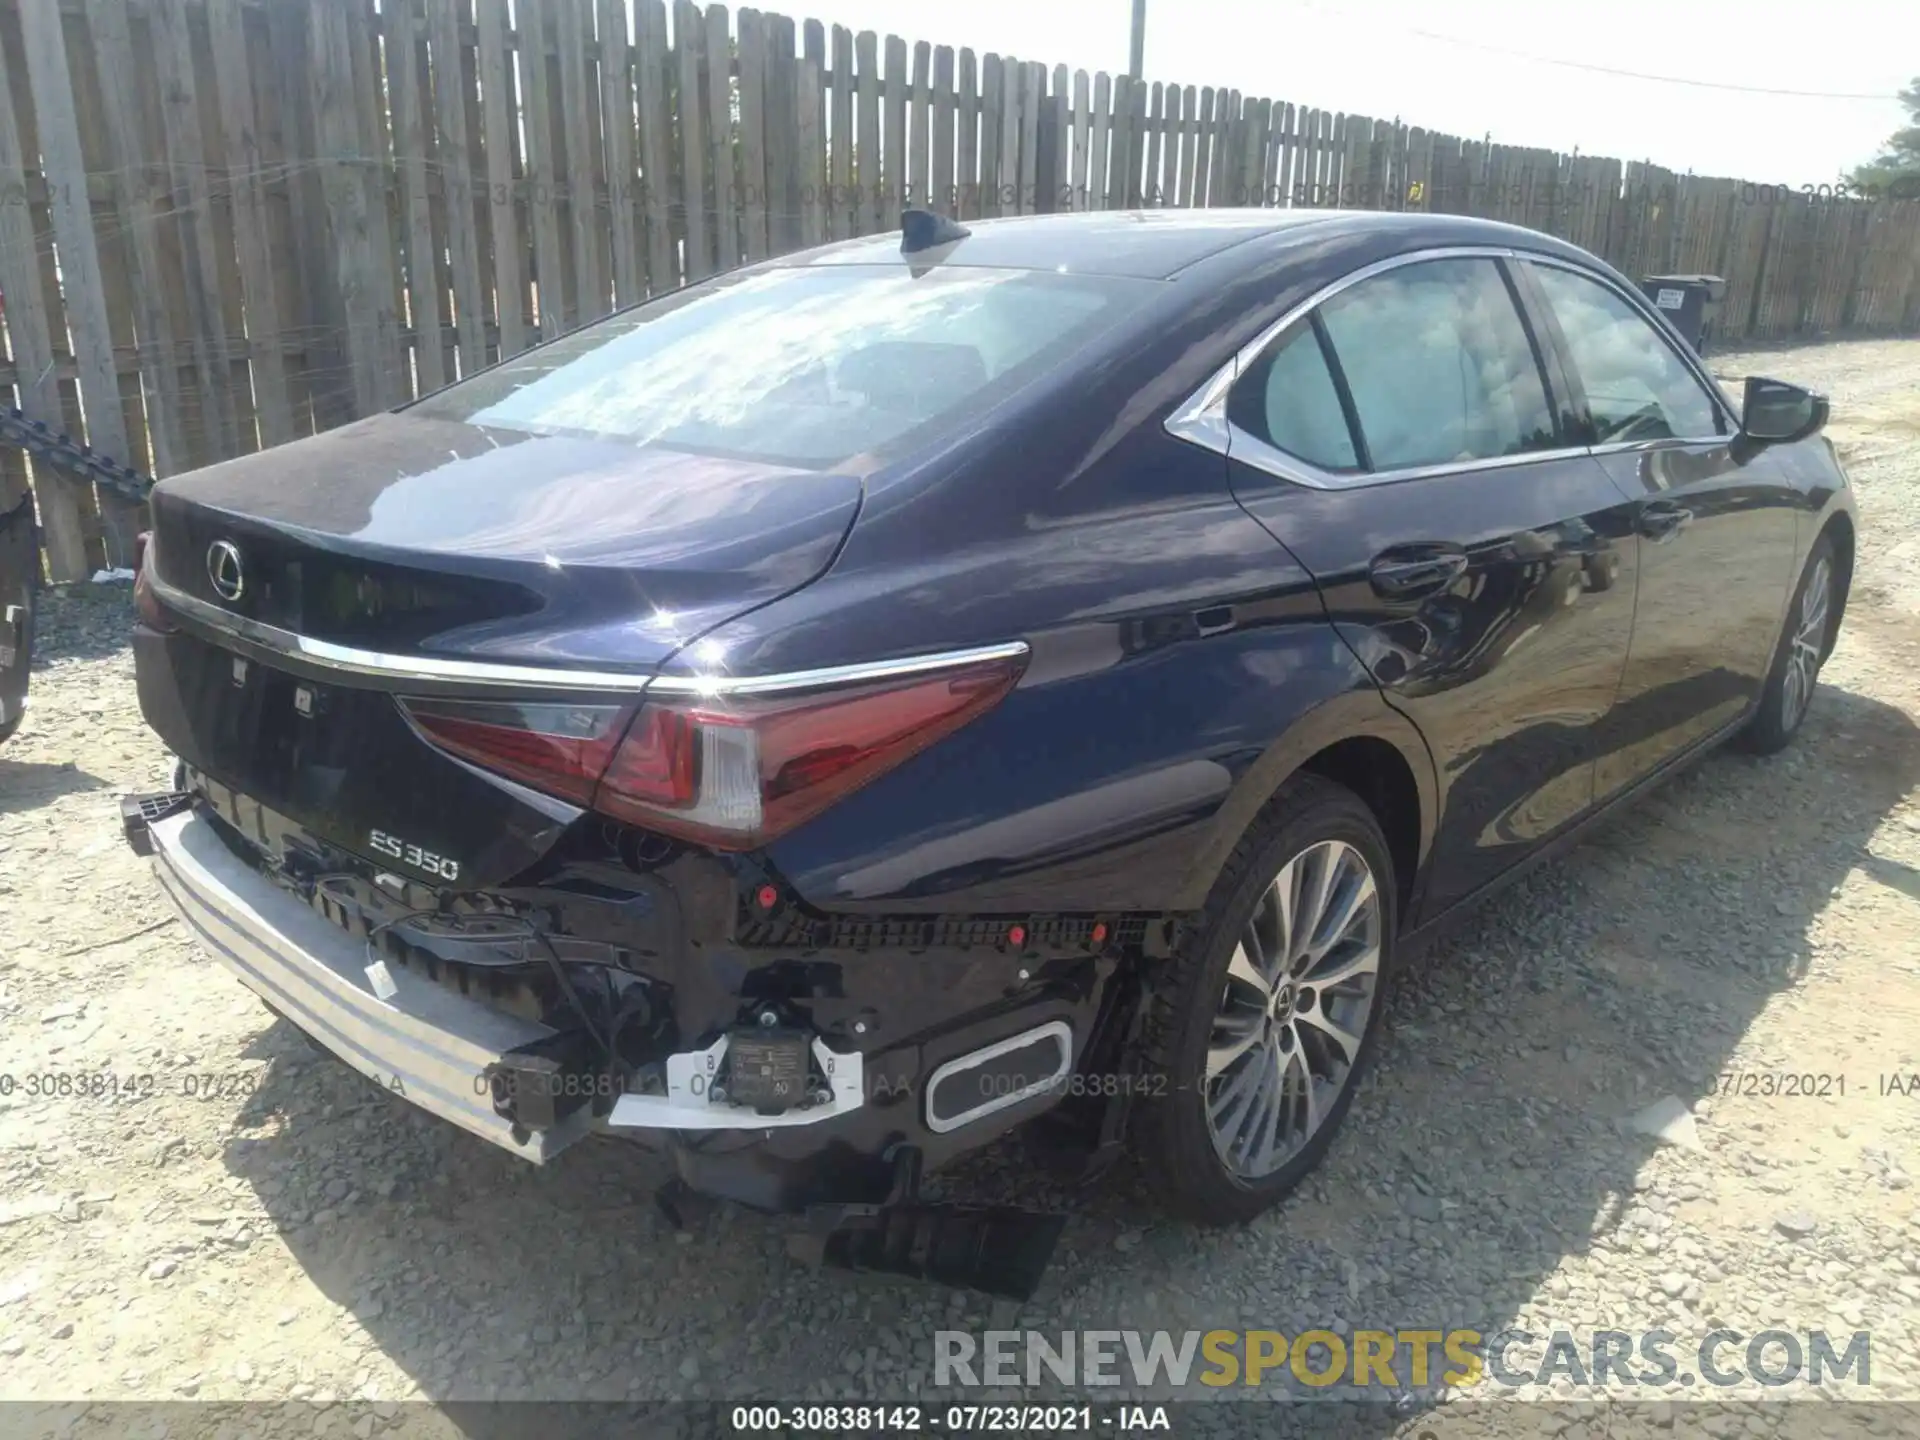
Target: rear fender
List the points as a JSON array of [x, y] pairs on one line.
[[1356, 713]]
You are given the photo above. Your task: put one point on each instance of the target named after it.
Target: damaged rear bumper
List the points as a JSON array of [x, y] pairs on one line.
[[437, 1049], [423, 1043], [940, 1091]]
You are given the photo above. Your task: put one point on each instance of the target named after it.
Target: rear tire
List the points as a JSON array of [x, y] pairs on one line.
[[1263, 1027], [1805, 639]]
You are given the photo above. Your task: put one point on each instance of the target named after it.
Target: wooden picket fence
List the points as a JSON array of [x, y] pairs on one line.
[[228, 223]]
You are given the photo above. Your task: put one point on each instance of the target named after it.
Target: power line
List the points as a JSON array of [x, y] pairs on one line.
[[1642, 75], [1621, 73]]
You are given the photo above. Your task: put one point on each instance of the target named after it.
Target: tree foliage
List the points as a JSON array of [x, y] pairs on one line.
[[1895, 171]]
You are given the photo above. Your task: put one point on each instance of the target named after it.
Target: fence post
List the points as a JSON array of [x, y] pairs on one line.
[[27, 324], [80, 279]]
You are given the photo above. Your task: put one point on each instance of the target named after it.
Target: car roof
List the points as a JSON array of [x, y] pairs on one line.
[[1147, 244], [1159, 244]]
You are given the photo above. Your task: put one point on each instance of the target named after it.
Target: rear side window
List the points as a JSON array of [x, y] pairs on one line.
[[807, 366], [1636, 387], [1439, 366], [1287, 398]]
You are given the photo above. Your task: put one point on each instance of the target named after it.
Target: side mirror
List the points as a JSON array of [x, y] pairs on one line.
[[1776, 413]]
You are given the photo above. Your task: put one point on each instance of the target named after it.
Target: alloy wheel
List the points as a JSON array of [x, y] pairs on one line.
[[1299, 992], [1809, 640]]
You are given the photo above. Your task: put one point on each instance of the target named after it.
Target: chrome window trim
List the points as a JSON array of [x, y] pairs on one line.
[[1665, 442], [273, 642], [1201, 419]]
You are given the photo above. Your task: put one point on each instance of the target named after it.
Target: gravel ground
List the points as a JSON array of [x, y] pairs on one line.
[[298, 1234]]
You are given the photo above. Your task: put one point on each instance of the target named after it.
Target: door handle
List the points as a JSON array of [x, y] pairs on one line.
[[1662, 520], [1413, 577]]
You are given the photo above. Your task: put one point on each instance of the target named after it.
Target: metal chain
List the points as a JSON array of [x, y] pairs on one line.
[[49, 446]]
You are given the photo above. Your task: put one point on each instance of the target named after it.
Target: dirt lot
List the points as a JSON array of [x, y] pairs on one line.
[[243, 1219]]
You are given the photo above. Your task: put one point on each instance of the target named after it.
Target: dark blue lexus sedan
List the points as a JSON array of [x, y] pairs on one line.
[[818, 720]]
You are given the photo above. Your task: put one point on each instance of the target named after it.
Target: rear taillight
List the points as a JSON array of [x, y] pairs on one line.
[[727, 771], [561, 749], [152, 612], [734, 773]]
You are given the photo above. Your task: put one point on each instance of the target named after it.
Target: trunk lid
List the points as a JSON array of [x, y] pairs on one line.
[[438, 538], [340, 761], [434, 538]]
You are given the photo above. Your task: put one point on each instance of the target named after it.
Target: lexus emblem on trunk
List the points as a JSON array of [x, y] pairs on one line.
[[224, 570]]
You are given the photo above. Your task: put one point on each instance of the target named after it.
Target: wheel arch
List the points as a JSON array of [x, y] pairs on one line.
[[1356, 740], [1374, 769], [1839, 530]]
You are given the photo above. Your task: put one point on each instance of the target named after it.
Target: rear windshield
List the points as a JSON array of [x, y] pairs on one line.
[[803, 366]]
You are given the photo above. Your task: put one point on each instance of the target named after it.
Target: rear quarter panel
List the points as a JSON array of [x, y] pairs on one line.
[[1135, 751]]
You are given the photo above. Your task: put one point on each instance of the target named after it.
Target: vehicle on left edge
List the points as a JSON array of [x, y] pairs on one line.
[[19, 579]]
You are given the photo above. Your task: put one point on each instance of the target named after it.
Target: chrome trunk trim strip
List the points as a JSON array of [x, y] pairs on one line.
[[271, 642]]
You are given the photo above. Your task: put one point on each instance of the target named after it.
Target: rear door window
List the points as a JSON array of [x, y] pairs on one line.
[[1288, 399], [1440, 366]]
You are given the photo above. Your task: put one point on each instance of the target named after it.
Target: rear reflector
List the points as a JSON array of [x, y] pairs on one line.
[[728, 772], [152, 613]]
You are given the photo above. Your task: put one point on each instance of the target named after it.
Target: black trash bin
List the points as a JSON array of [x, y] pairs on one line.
[[1690, 303]]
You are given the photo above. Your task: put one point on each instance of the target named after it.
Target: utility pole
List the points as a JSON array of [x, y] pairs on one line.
[[1137, 54]]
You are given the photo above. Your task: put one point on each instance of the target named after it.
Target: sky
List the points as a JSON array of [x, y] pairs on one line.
[[1473, 67]]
